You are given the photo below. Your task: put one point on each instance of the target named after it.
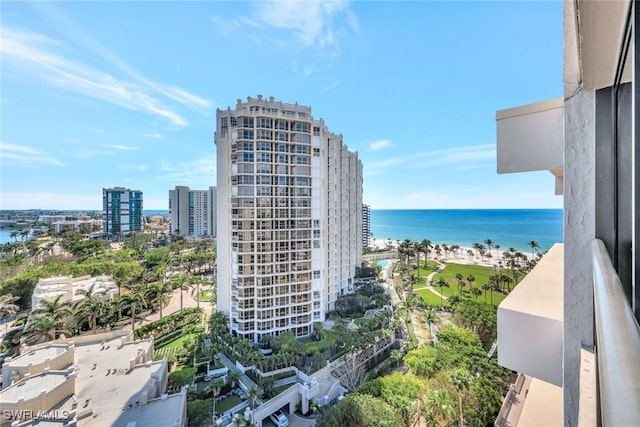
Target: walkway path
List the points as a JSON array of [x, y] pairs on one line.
[[232, 366], [188, 300], [441, 266]]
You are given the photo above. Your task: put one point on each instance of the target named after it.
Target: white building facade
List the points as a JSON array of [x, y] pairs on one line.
[[192, 212], [289, 228]]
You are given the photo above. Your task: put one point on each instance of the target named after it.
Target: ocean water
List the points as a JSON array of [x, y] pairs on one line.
[[506, 227]]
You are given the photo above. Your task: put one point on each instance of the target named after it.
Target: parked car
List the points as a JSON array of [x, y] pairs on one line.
[[279, 419]]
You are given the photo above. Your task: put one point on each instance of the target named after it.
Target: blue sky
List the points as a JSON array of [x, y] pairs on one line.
[[102, 94]]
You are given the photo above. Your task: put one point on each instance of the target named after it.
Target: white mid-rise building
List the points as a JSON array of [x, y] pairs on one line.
[[192, 212], [69, 289], [289, 234]]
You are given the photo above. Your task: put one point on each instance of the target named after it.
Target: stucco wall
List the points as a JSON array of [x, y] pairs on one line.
[[579, 230]]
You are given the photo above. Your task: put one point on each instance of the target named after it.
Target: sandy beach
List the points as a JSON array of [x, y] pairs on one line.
[[461, 258]]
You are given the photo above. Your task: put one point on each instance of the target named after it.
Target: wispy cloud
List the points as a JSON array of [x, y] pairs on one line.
[[24, 156], [312, 26], [311, 22], [154, 135], [122, 147], [452, 157], [38, 56], [380, 144], [190, 173]]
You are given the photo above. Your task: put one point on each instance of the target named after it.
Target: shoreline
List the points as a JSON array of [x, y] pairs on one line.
[[461, 258]]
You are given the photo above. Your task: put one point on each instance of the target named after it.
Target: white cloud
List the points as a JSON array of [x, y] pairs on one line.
[[191, 173], [380, 144], [24, 156], [154, 135], [122, 147], [33, 54], [311, 26], [450, 157], [312, 22]]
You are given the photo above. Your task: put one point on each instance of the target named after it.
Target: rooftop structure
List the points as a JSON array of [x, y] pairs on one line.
[[68, 287], [582, 305], [289, 233], [93, 380]]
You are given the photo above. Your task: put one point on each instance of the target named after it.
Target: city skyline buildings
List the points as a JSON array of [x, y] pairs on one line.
[[192, 212], [417, 103], [288, 244], [121, 210]]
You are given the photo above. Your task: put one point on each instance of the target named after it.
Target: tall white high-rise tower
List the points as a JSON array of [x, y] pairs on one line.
[[289, 218]]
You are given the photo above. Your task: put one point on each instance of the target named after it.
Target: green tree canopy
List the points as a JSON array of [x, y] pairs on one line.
[[360, 410]]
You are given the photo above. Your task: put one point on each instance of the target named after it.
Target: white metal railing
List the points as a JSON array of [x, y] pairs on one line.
[[617, 345]]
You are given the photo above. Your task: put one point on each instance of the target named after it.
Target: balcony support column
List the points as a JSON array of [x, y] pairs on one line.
[[579, 211]]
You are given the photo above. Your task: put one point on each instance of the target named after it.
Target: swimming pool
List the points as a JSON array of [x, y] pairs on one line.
[[383, 263]]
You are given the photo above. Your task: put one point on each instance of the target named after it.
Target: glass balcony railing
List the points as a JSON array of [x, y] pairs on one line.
[[617, 345]]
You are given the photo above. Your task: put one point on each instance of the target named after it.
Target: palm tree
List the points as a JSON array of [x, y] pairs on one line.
[[470, 279], [441, 284], [476, 246], [234, 376], [430, 317], [497, 247], [455, 249], [437, 406], [157, 293], [454, 300], [489, 244], [216, 385], [181, 282], [44, 326], [459, 278], [121, 277], [425, 245], [54, 308], [488, 287], [253, 396], [14, 234], [90, 307], [132, 301], [534, 247], [461, 379]]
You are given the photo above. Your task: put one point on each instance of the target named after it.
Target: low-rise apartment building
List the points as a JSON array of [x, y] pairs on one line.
[[68, 288], [93, 380]]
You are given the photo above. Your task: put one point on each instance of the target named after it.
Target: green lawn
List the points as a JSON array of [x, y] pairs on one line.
[[207, 296], [432, 299], [228, 403], [480, 273], [178, 342]]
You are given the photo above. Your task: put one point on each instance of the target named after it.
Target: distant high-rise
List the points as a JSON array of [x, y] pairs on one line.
[[121, 210], [289, 218], [366, 225], [192, 212]]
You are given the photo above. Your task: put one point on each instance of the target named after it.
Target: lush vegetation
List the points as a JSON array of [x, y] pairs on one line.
[[453, 374], [145, 276]]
